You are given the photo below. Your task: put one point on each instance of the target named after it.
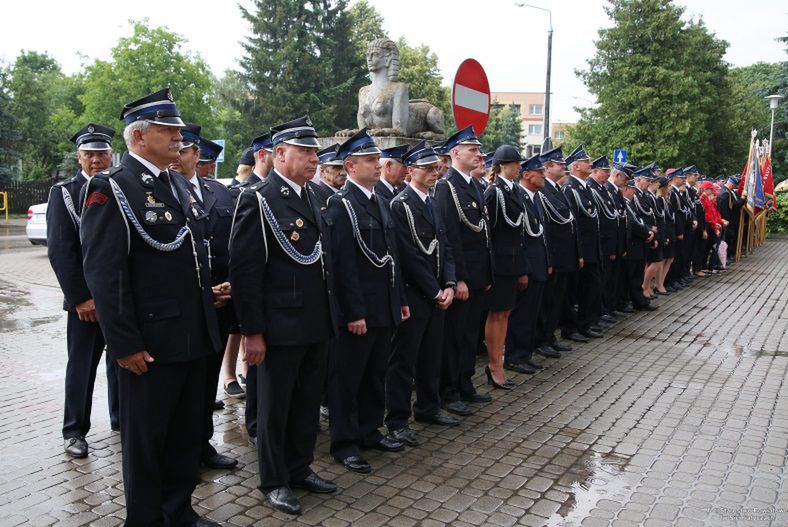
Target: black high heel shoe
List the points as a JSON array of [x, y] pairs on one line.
[[508, 385]]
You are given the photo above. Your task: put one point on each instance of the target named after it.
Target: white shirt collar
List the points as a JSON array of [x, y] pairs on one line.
[[509, 184], [147, 164], [465, 176], [84, 174], [295, 186], [553, 183], [330, 186], [419, 193], [585, 185], [388, 185], [196, 184], [366, 192], [530, 194], [258, 175]]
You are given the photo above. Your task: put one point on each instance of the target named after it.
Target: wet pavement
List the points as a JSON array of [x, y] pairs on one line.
[[677, 417]]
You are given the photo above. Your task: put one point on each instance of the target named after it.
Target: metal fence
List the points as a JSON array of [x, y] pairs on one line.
[[22, 194]]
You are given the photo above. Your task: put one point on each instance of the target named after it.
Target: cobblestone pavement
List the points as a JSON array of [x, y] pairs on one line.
[[677, 417]]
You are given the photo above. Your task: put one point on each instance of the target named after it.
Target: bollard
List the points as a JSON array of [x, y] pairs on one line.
[[4, 208]]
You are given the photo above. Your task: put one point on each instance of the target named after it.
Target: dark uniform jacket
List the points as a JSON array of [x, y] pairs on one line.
[[728, 203], [63, 246], [586, 211], [536, 252], [290, 303], [668, 221], [683, 215], [472, 259], [147, 299], [563, 240], [608, 218], [365, 290], [644, 207], [621, 230], [508, 243], [383, 191], [425, 276], [637, 233], [237, 187], [323, 191], [699, 214]]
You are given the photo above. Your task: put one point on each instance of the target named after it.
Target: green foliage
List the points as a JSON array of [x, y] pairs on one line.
[[778, 219], [9, 134], [150, 59], [505, 127], [780, 147], [366, 26], [419, 69]]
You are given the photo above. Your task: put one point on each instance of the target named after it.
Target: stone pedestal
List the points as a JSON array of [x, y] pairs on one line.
[[382, 142]]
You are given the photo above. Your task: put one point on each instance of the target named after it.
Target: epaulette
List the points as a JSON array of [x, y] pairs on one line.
[[259, 185], [105, 174]]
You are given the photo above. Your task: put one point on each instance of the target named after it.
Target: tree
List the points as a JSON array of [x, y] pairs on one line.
[[505, 127], [366, 25], [9, 135], [150, 59], [662, 89], [419, 69]]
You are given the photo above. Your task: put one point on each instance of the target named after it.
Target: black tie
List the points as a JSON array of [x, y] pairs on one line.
[[164, 177], [194, 193], [428, 204], [372, 198], [538, 206], [305, 197]]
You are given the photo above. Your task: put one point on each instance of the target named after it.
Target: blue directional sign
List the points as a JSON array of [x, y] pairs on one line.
[[620, 156], [220, 142]]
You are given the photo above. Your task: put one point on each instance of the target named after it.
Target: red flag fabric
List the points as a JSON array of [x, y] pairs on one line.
[[768, 181]]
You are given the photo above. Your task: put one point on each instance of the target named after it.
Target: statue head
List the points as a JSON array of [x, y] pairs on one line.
[[383, 53]]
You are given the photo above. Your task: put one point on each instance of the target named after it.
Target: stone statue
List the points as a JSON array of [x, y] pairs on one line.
[[383, 106]]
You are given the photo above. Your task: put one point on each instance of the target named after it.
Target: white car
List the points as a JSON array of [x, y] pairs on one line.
[[37, 224]]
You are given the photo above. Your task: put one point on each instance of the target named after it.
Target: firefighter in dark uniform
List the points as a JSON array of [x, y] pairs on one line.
[[619, 175], [644, 209], [263, 161], [392, 172], [214, 205], [282, 282], [639, 235], [462, 204], [84, 340], [608, 237], [675, 277], [565, 255], [695, 253], [521, 335], [146, 263], [428, 274], [332, 173], [371, 300], [586, 210], [730, 209]]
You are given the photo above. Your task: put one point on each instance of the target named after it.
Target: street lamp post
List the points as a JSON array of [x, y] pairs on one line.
[[549, 68], [774, 100]]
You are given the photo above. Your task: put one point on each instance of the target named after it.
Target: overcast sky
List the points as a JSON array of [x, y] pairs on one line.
[[509, 41]]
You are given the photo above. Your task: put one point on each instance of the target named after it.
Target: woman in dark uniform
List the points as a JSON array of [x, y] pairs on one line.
[[666, 213], [653, 254], [505, 209]]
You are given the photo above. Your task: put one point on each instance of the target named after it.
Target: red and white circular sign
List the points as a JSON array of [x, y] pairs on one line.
[[470, 96]]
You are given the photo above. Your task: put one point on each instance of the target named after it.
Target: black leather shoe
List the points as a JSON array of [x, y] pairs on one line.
[[324, 412], [576, 337], [115, 427], [590, 333], [283, 499], [458, 408], [316, 484], [357, 464], [601, 325], [439, 418], [218, 405], [618, 313], [387, 444], [647, 307], [205, 522], [76, 447], [533, 364], [519, 368], [405, 435], [627, 309], [560, 346], [549, 352], [609, 319], [476, 398], [253, 441], [219, 461]]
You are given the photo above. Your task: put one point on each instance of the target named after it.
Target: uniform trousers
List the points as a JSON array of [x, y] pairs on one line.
[[521, 331], [610, 284], [589, 293], [415, 354], [553, 298], [698, 251], [356, 397], [85, 344], [291, 382], [622, 284], [460, 343], [160, 430], [213, 368]]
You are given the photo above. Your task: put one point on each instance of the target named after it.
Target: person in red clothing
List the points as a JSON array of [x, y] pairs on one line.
[[714, 222]]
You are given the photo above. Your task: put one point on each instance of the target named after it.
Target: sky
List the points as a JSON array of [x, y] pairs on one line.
[[509, 41]]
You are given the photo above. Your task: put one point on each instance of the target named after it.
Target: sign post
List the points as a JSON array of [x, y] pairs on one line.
[[470, 96], [219, 158]]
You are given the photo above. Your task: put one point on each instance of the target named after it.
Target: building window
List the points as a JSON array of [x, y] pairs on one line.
[[559, 136], [535, 109], [534, 129]]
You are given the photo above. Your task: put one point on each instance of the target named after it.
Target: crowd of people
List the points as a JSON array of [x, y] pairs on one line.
[[349, 277]]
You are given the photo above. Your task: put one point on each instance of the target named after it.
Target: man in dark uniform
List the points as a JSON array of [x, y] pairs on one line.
[[730, 209], [263, 161], [428, 274], [212, 203], [371, 300], [521, 333], [462, 204], [619, 175], [282, 280], [607, 212], [392, 172], [564, 246], [332, 173], [639, 234], [147, 266], [675, 278], [444, 157], [84, 339], [699, 233], [585, 209]]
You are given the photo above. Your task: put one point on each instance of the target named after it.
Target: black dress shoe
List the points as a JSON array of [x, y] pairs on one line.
[[601, 325], [506, 385], [519, 368], [219, 461], [560, 346], [115, 427], [387, 444], [218, 405], [324, 411], [647, 307], [627, 309], [76, 447], [357, 464], [590, 333], [405, 435], [253, 441], [458, 408], [576, 337], [316, 484], [609, 319], [618, 314], [205, 522], [283, 499], [476, 398], [533, 364], [439, 418], [549, 352]]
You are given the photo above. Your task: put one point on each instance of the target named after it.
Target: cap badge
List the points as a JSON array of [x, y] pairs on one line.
[[168, 216], [91, 129]]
